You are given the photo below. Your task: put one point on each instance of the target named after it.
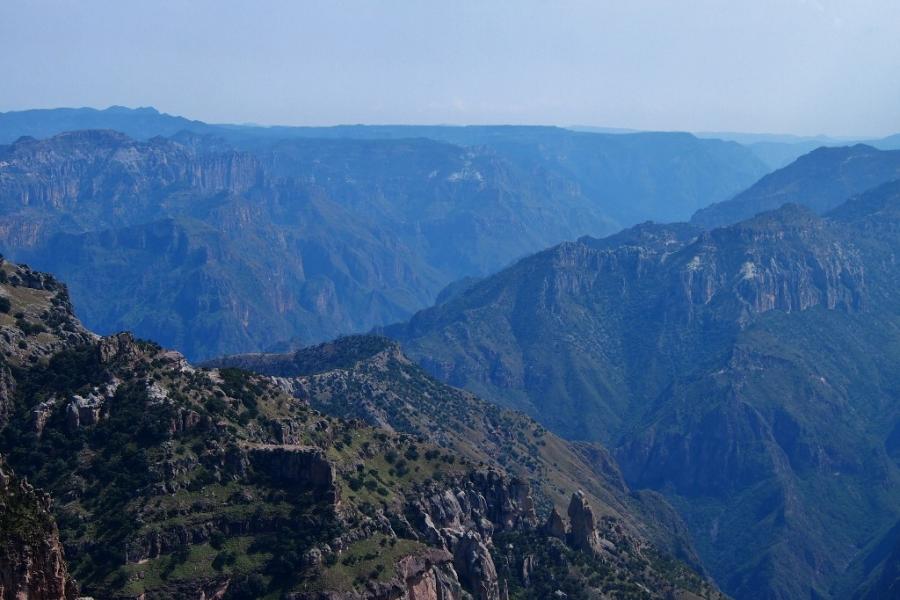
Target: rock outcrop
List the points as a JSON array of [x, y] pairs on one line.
[[428, 575], [463, 520], [583, 533], [36, 321], [297, 467], [486, 501], [555, 526], [32, 563], [475, 566]]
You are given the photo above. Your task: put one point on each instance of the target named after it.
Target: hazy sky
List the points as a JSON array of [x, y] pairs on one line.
[[800, 66]]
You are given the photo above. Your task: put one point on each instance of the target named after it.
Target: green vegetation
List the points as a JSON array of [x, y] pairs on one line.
[[137, 477], [147, 470], [536, 567], [372, 559]]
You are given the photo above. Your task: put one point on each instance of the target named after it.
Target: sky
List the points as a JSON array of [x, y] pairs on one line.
[[784, 66]]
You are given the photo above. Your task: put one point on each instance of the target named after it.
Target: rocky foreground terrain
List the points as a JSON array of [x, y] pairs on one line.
[[169, 481]]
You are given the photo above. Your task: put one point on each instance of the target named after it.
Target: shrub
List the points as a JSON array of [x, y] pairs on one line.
[[217, 540], [223, 559], [412, 453]]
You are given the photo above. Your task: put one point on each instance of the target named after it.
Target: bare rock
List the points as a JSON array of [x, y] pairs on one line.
[[583, 534], [297, 466], [475, 567], [32, 563], [555, 526]]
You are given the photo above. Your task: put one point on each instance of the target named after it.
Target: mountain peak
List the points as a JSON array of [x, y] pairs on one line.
[[143, 110]]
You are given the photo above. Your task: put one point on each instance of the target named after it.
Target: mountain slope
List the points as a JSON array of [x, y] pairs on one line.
[[177, 482], [369, 378], [744, 372], [820, 180]]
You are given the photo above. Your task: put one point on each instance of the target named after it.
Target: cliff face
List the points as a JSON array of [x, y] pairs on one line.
[[32, 561], [101, 179], [584, 325], [36, 321]]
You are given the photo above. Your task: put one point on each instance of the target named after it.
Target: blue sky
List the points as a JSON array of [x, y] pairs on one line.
[[797, 66]]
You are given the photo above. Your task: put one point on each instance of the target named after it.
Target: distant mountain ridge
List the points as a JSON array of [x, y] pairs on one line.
[[231, 242], [820, 180], [141, 123], [715, 169]]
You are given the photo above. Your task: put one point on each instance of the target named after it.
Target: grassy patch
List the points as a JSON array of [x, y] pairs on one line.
[[371, 559]]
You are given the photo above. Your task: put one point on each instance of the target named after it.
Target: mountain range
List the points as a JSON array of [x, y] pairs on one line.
[[234, 238], [710, 391], [773, 150], [745, 372]]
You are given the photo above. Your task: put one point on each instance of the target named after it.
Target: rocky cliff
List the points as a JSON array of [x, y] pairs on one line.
[[36, 321], [32, 560]]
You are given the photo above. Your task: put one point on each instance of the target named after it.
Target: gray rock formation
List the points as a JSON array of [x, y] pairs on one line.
[[475, 566], [301, 466], [583, 534], [555, 526]]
